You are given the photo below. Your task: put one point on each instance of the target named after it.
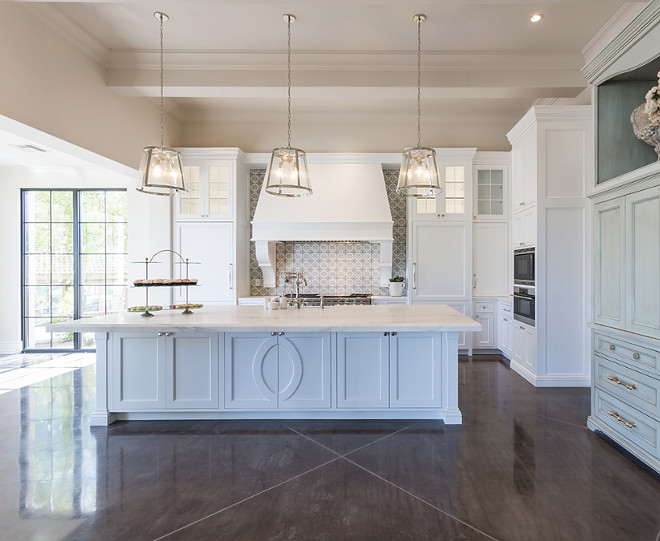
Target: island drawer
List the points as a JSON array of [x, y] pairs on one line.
[[633, 425], [639, 390], [634, 355]]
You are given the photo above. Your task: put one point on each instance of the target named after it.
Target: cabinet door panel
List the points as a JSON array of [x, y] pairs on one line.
[[610, 263], [138, 372], [492, 257], [486, 337], [415, 370], [210, 244], [442, 261], [643, 211], [362, 370], [304, 370], [251, 373], [193, 373]]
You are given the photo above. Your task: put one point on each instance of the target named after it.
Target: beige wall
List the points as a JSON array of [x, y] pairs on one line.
[[52, 86]]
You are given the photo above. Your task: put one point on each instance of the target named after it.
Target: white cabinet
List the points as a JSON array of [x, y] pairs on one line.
[[396, 370], [210, 189], [455, 202], [524, 348], [523, 226], [484, 313], [164, 371], [505, 326], [491, 192], [277, 370], [524, 160], [211, 224], [212, 244], [491, 259], [441, 261], [627, 238]]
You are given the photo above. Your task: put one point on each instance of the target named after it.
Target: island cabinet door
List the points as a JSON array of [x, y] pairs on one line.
[[137, 372], [251, 371], [363, 370], [415, 370], [192, 371], [304, 370]]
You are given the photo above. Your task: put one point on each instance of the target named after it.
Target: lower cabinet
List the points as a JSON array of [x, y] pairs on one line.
[[164, 371], [484, 313], [626, 392], [277, 370], [524, 346], [396, 370], [505, 326]]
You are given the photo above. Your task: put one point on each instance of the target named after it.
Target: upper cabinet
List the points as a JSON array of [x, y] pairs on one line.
[[215, 191], [621, 73], [491, 183], [455, 202]]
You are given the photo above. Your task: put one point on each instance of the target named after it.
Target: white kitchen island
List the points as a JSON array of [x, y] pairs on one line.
[[243, 362]]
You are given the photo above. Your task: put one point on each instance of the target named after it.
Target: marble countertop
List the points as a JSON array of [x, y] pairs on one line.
[[436, 318]]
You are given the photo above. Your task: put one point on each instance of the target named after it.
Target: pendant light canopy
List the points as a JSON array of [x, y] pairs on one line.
[[161, 172], [419, 171], [287, 173]]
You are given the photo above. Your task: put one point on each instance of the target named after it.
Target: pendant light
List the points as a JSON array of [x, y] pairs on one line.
[[287, 173], [419, 172], [160, 170]]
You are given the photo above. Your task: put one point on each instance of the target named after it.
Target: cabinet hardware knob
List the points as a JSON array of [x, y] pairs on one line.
[[635, 356], [629, 386], [505, 319], [160, 334], [618, 417], [273, 333], [521, 327], [612, 348], [393, 333], [386, 334], [280, 334]]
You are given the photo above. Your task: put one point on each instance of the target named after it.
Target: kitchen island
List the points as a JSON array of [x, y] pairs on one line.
[[242, 362]]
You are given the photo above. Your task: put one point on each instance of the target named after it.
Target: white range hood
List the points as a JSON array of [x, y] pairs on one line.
[[349, 203]]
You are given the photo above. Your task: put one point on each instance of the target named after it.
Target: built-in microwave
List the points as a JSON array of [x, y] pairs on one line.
[[524, 305], [523, 266]]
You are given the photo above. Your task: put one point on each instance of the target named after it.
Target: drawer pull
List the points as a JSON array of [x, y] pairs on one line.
[[616, 380], [612, 348], [636, 356], [618, 417]]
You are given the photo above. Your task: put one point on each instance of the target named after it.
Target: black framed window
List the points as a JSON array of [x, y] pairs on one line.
[[74, 262]]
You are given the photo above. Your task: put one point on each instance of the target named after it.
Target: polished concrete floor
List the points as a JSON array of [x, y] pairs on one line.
[[523, 467]]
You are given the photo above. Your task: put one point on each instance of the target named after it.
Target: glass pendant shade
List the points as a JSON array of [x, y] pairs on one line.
[[419, 173], [161, 172], [287, 173]]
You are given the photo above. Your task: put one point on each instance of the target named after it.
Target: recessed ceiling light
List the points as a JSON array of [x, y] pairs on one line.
[[536, 17]]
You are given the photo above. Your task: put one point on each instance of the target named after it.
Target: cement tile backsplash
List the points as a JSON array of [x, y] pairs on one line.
[[334, 268]]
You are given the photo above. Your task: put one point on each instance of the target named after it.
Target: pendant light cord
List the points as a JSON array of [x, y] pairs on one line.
[[288, 64], [419, 82], [162, 108]]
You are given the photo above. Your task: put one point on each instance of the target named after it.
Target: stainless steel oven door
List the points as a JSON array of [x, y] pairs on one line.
[[524, 306]]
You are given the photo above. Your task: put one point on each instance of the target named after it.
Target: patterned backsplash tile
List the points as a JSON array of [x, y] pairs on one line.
[[333, 268]]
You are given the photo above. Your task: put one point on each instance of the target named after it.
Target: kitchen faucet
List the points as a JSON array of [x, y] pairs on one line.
[[299, 280]]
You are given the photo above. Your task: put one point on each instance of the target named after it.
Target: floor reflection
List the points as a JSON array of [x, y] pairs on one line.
[[57, 463]]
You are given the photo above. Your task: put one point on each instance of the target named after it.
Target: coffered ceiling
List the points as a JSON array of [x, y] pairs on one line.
[[354, 61]]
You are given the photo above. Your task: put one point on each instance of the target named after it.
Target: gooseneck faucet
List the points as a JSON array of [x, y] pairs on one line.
[[299, 280]]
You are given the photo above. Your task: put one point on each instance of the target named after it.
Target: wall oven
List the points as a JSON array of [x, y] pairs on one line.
[[523, 266], [524, 305]]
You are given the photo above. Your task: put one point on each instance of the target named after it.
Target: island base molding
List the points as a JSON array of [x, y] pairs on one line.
[[101, 419]]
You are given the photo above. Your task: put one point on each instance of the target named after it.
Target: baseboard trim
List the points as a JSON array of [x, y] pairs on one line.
[[550, 381]]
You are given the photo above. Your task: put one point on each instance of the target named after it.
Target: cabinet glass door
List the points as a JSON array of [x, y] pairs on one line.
[[219, 190], [490, 192], [189, 202], [451, 202]]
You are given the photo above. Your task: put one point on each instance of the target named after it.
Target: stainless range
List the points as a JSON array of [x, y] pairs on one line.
[[314, 299]]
